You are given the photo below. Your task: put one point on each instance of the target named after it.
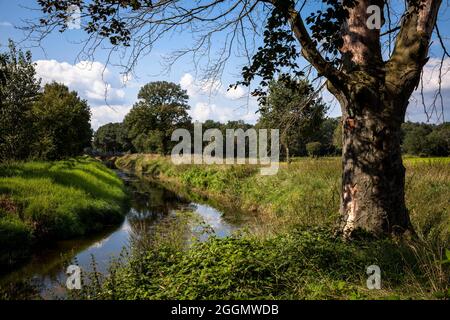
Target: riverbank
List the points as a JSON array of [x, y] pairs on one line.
[[50, 201], [305, 193], [294, 255]]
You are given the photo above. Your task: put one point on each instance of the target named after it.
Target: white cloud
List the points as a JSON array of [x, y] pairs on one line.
[[431, 75], [91, 80], [6, 24], [236, 93], [203, 111], [196, 88], [415, 111], [187, 83], [211, 102], [102, 115]]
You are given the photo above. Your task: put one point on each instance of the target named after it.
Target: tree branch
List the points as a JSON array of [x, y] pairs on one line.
[[308, 47], [410, 54]]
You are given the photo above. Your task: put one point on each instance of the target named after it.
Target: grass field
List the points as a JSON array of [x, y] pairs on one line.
[[293, 254], [44, 201]]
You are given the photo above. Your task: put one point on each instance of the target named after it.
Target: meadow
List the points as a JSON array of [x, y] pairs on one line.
[[48, 201], [293, 253]]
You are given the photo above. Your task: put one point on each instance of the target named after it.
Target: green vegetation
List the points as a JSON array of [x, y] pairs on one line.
[[292, 106], [313, 149], [61, 122], [111, 139], [17, 94], [422, 139], [41, 125], [301, 264], [292, 254], [306, 192], [40, 201], [162, 108]]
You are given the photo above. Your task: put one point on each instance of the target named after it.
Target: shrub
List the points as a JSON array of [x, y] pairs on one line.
[[314, 149]]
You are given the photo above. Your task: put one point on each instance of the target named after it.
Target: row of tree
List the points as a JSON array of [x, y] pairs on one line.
[[291, 106], [37, 122], [163, 107]]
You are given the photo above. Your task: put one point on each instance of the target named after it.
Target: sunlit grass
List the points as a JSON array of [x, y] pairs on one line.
[[307, 191], [292, 253], [55, 200]]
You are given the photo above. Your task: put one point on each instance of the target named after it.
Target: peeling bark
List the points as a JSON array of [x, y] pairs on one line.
[[373, 105], [361, 44], [373, 197]]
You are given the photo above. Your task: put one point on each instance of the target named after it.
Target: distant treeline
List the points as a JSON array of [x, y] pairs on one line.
[[162, 108], [114, 138], [290, 106], [425, 140], [418, 139]]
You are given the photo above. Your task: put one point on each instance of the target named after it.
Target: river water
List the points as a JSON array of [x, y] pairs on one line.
[[44, 275]]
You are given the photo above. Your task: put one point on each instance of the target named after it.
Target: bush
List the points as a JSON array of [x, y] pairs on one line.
[[15, 239], [301, 264], [426, 140], [314, 149]]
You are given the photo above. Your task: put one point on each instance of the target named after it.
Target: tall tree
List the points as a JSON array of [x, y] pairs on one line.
[[3, 71], [61, 123], [293, 107], [162, 108], [19, 88], [372, 85], [112, 137]]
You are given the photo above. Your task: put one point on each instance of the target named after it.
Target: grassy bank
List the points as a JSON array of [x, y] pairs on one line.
[[293, 253], [305, 193], [44, 201]]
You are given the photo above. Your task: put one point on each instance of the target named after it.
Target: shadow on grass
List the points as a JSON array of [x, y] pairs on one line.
[[60, 173]]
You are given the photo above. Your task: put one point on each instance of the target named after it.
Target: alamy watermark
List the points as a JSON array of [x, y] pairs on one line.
[[235, 147], [374, 279], [73, 20], [374, 21], [73, 282]]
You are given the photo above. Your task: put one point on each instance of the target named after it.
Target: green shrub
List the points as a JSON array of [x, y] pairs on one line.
[[314, 149], [15, 239], [300, 264]]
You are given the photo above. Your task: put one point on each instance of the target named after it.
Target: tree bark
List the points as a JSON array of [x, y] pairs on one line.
[[373, 178], [374, 95]]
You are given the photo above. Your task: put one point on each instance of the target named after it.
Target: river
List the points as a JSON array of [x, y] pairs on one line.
[[44, 276]]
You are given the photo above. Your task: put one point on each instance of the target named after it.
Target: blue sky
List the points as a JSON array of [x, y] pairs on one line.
[[60, 61]]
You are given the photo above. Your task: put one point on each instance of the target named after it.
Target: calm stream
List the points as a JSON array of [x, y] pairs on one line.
[[151, 203]]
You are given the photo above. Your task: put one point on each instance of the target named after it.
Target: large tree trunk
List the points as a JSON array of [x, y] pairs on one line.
[[373, 179], [374, 94]]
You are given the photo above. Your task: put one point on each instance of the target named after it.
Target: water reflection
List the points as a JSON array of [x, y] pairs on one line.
[[44, 276]]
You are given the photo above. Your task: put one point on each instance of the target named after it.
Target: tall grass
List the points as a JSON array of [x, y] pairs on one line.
[[41, 201], [307, 192], [292, 254]]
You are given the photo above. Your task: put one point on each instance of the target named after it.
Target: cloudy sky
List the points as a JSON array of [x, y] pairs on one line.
[[111, 94]]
